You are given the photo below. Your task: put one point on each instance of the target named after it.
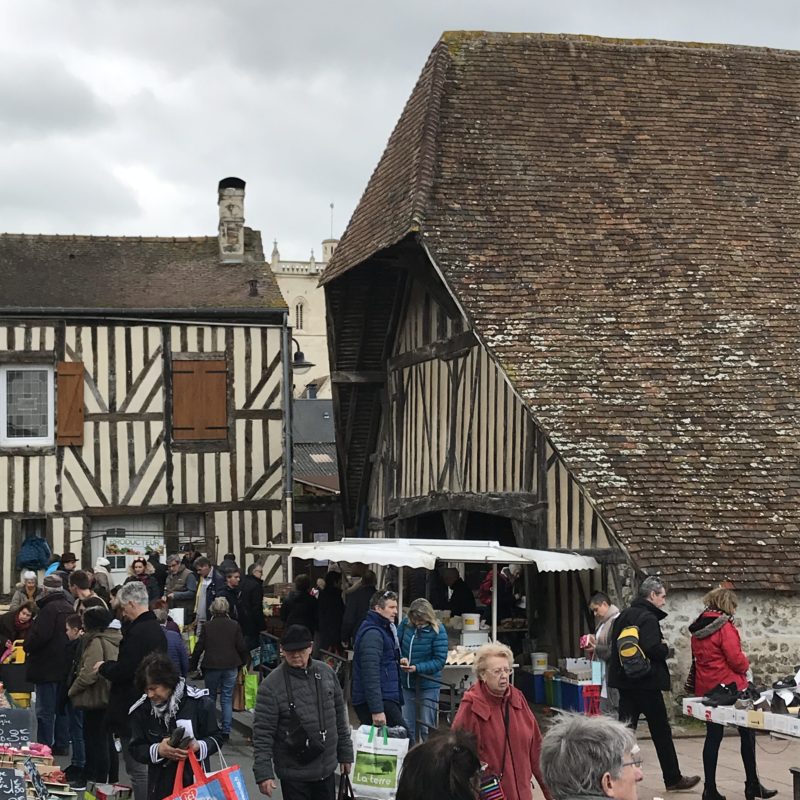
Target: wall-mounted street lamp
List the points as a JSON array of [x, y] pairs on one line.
[[299, 363]]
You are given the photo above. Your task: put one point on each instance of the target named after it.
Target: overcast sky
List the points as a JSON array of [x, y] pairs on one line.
[[120, 116]]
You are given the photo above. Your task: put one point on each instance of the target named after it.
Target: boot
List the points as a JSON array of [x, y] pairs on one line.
[[753, 790], [711, 793], [686, 782]]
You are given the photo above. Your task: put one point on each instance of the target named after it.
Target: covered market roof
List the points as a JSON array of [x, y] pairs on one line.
[[620, 222]]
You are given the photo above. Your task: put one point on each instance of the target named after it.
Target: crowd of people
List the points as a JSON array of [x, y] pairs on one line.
[[105, 660], [112, 675]]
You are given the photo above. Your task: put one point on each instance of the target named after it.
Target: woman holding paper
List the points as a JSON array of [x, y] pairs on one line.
[[719, 659], [169, 703]]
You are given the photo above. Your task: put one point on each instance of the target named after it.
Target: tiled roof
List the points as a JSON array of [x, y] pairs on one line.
[[315, 463], [127, 272], [621, 223], [312, 420]]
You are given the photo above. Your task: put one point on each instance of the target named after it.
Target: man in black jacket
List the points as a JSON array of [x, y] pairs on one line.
[[461, 601], [46, 653], [643, 695], [356, 605], [140, 636], [253, 603]]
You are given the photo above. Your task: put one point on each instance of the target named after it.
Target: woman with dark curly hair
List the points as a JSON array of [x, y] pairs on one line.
[[143, 571], [166, 703]]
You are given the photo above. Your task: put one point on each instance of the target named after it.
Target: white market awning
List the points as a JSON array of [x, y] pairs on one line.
[[426, 552]]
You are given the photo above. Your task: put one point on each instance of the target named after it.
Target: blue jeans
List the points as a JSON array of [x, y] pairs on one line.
[[427, 712], [52, 727], [223, 680], [75, 716]]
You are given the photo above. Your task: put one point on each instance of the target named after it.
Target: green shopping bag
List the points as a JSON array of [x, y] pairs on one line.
[[250, 689]]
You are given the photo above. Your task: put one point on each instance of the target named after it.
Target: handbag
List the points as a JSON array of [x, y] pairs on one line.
[[303, 746], [378, 762], [691, 678], [345, 788], [490, 787]]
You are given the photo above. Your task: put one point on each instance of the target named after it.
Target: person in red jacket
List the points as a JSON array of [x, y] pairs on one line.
[[497, 713], [719, 658]]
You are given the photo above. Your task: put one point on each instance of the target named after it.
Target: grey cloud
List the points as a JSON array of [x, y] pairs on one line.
[[40, 97]]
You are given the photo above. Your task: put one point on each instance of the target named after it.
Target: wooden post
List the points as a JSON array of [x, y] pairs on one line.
[[494, 602]]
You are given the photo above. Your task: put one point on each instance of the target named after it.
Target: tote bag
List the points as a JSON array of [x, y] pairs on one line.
[[378, 761], [226, 784]]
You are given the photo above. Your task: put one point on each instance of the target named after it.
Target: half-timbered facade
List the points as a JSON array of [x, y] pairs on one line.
[[565, 314], [142, 392]]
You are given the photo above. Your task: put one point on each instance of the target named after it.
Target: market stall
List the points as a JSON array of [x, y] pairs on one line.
[[414, 553]]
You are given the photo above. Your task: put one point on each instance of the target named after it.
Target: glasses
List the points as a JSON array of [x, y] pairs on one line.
[[500, 671], [635, 763]]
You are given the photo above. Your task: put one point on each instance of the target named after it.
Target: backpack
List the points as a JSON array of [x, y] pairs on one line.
[[34, 554], [635, 664]]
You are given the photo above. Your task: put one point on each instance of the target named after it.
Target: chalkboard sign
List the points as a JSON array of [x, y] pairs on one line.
[[12, 784], [15, 726], [36, 779]]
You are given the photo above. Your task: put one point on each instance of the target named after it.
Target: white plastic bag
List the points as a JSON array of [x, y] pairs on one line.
[[378, 760]]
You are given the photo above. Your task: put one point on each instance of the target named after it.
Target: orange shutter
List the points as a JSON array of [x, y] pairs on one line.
[[69, 400], [199, 400]]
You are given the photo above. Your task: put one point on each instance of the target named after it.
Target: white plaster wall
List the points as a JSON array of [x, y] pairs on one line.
[[769, 624]]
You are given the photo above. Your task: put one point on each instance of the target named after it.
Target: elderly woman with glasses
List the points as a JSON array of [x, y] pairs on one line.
[[590, 757], [509, 739]]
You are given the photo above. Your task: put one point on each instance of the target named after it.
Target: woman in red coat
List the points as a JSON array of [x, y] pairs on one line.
[[509, 740], [719, 658]]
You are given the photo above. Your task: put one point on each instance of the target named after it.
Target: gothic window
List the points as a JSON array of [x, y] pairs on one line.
[[299, 314]]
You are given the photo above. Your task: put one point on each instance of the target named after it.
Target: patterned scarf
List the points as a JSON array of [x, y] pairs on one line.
[[168, 710]]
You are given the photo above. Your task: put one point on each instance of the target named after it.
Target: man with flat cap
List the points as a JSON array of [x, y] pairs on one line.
[[301, 696]]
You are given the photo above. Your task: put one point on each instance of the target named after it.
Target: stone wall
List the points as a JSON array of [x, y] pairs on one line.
[[769, 624]]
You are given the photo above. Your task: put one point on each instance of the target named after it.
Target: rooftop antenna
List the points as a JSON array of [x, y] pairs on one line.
[[331, 220]]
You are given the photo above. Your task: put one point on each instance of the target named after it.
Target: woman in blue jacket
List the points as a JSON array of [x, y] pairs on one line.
[[423, 647]]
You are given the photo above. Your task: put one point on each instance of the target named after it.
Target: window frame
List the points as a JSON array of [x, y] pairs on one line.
[[7, 441]]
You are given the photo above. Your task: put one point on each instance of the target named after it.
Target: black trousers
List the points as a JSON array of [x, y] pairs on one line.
[[392, 709], [309, 790], [650, 702], [747, 747], [97, 738]]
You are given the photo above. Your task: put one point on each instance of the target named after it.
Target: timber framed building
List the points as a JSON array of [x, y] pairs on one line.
[[566, 314], [142, 392]]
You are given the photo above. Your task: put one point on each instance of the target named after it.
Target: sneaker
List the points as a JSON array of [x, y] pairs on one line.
[[78, 782], [686, 782]]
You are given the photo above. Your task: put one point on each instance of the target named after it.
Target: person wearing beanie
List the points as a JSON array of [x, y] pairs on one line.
[[102, 576], [27, 590], [46, 650]]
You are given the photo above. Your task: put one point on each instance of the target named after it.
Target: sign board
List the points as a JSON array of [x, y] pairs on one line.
[[321, 537], [12, 784], [15, 726], [36, 779]]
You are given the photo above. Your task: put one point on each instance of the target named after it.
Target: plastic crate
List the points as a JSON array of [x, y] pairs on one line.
[[591, 699], [538, 688]]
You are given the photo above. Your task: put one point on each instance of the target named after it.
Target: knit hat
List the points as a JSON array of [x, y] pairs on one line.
[[297, 637], [102, 562], [53, 583]]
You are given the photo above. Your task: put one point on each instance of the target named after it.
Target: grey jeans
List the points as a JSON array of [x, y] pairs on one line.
[[137, 772]]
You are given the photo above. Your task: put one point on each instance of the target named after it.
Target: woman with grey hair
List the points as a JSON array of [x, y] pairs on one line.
[[590, 757], [27, 590], [222, 647]]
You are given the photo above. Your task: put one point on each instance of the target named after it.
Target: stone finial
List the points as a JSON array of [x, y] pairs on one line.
[[275, 258]]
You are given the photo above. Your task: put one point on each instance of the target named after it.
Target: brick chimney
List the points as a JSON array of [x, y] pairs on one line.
[[231, 220]]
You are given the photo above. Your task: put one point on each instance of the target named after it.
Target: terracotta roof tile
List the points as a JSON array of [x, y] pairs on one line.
[[621, 223]]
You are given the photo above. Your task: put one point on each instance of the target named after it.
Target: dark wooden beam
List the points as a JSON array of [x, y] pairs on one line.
[[515, 505], [358, 376], [446, 350]]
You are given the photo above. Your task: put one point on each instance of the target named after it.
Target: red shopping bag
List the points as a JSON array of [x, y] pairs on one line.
[[226, 784]]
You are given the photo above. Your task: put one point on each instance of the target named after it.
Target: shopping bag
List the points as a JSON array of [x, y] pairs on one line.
[[377, 763], [107, 791], [238, 692], [345, 788], [250, 689], [192, 642], [226, 784]]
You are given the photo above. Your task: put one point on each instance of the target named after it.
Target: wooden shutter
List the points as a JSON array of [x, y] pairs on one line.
[[199, 400], [69, 402]]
